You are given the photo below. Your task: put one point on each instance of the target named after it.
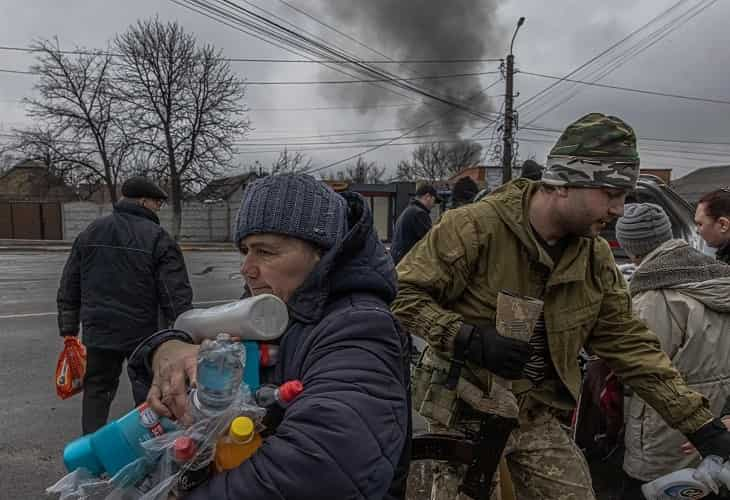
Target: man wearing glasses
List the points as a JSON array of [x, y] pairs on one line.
[[713, 221], [122, 270]]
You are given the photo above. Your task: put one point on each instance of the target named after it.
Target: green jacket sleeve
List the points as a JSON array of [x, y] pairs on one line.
[[434, 273], [634, 353]]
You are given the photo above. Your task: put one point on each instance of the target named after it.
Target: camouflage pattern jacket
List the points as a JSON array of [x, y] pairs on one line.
[[453, 275]]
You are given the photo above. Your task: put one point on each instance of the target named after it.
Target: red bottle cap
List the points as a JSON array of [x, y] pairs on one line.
[[184, 448], [264, 357], [289, 390]]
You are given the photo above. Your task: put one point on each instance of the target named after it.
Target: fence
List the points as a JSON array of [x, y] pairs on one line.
[[200, 221], [30, 220]]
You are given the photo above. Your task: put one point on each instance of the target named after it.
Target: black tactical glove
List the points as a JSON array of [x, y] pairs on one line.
[[500, 355], [712, 438]]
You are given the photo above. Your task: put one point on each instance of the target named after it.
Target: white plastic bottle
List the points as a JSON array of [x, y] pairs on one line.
[[688, 483], [262, 318]]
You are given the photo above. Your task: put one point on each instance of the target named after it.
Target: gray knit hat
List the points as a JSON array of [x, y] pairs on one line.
[[643, 227], [295, 205]]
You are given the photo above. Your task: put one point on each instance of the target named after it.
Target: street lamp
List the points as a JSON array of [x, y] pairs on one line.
[[508, 111]]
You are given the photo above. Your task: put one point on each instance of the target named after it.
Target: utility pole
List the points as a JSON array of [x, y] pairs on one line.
[[509, 114]]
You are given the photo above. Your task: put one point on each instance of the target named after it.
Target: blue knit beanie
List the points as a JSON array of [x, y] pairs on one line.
[[295, 205]]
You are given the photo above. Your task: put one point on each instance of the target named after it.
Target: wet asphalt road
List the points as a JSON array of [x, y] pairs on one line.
[[34, 423]]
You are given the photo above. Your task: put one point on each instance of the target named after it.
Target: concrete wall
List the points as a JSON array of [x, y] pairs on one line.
[[216, 221], [200, 222]]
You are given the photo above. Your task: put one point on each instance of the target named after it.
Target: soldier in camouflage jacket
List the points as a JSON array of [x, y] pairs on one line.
[[541, 240]]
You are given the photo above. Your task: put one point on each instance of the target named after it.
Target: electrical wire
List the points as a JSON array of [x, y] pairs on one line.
[[634, 50], [405, 134], [629, 89], [270, 29], [275, 60], [604, 52]]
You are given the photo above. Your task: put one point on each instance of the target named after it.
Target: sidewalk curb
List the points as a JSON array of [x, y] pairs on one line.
[[66, 247]]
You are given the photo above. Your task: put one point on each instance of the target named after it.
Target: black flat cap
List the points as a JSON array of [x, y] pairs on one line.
[[141, 187]]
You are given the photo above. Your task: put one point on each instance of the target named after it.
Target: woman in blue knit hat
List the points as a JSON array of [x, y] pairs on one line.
[[347, 434]]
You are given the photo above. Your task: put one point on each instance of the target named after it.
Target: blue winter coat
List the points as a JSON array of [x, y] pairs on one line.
[[345, 436]]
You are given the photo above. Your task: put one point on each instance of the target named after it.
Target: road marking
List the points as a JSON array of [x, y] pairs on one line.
[[54, 313], [27, 315]]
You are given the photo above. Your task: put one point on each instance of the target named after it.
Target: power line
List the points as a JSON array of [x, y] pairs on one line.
[[629, 89], [642, 45], [373, 80], [223, 17], [406, 133], [602, 53], [272, 29], [276, 60], [327, 82], [17, 72]]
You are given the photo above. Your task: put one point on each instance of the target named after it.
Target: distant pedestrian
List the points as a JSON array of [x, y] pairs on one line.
[[414, 222], [713, 221], [531, 170], [122, 270], [463, 192], [682, 295]]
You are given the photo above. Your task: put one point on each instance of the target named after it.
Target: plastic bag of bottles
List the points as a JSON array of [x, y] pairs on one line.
[[165, 469]]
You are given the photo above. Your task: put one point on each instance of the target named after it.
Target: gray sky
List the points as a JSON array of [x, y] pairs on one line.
[[557, 37]]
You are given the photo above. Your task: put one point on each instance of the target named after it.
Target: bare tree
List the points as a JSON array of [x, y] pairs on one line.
[[185, 103], [78, 130], [290, 163], [428, 162], [405, 171], [362, 172], [437, 161], [462, 154]]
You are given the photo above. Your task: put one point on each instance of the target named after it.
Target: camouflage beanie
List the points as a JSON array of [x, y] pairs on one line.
[[595, 151]]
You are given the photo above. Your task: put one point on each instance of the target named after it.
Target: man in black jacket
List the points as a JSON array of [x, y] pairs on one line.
[[414, 222], [122, 270]]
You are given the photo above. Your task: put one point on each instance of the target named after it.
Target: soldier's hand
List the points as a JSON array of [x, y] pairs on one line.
[[174, 366], [713, 438], [688, 448], [500, 355]]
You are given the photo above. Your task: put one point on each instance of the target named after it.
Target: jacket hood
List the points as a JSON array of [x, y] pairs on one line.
[[359, 263], [511, 201], [678, 266]]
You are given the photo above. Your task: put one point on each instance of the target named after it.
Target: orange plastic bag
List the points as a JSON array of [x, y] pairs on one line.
[[70, 368]]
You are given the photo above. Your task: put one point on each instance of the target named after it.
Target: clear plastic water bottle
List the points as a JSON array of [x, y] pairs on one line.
[[220, 376], [220, 371]]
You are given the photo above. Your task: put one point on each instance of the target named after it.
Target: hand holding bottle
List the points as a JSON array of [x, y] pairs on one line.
[[174, 367]]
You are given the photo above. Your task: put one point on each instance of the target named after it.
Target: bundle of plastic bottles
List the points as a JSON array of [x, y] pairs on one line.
[[710, 476], [144, 456]]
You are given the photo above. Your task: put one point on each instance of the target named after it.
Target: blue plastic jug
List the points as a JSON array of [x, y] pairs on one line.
[[118, 443]]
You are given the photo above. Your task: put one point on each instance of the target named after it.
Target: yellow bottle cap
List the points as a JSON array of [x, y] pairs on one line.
[[241, 428]]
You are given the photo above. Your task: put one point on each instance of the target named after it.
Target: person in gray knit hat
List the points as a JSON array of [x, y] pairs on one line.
[[681, 295], [642, 228], [318, 251], [293, 205]]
